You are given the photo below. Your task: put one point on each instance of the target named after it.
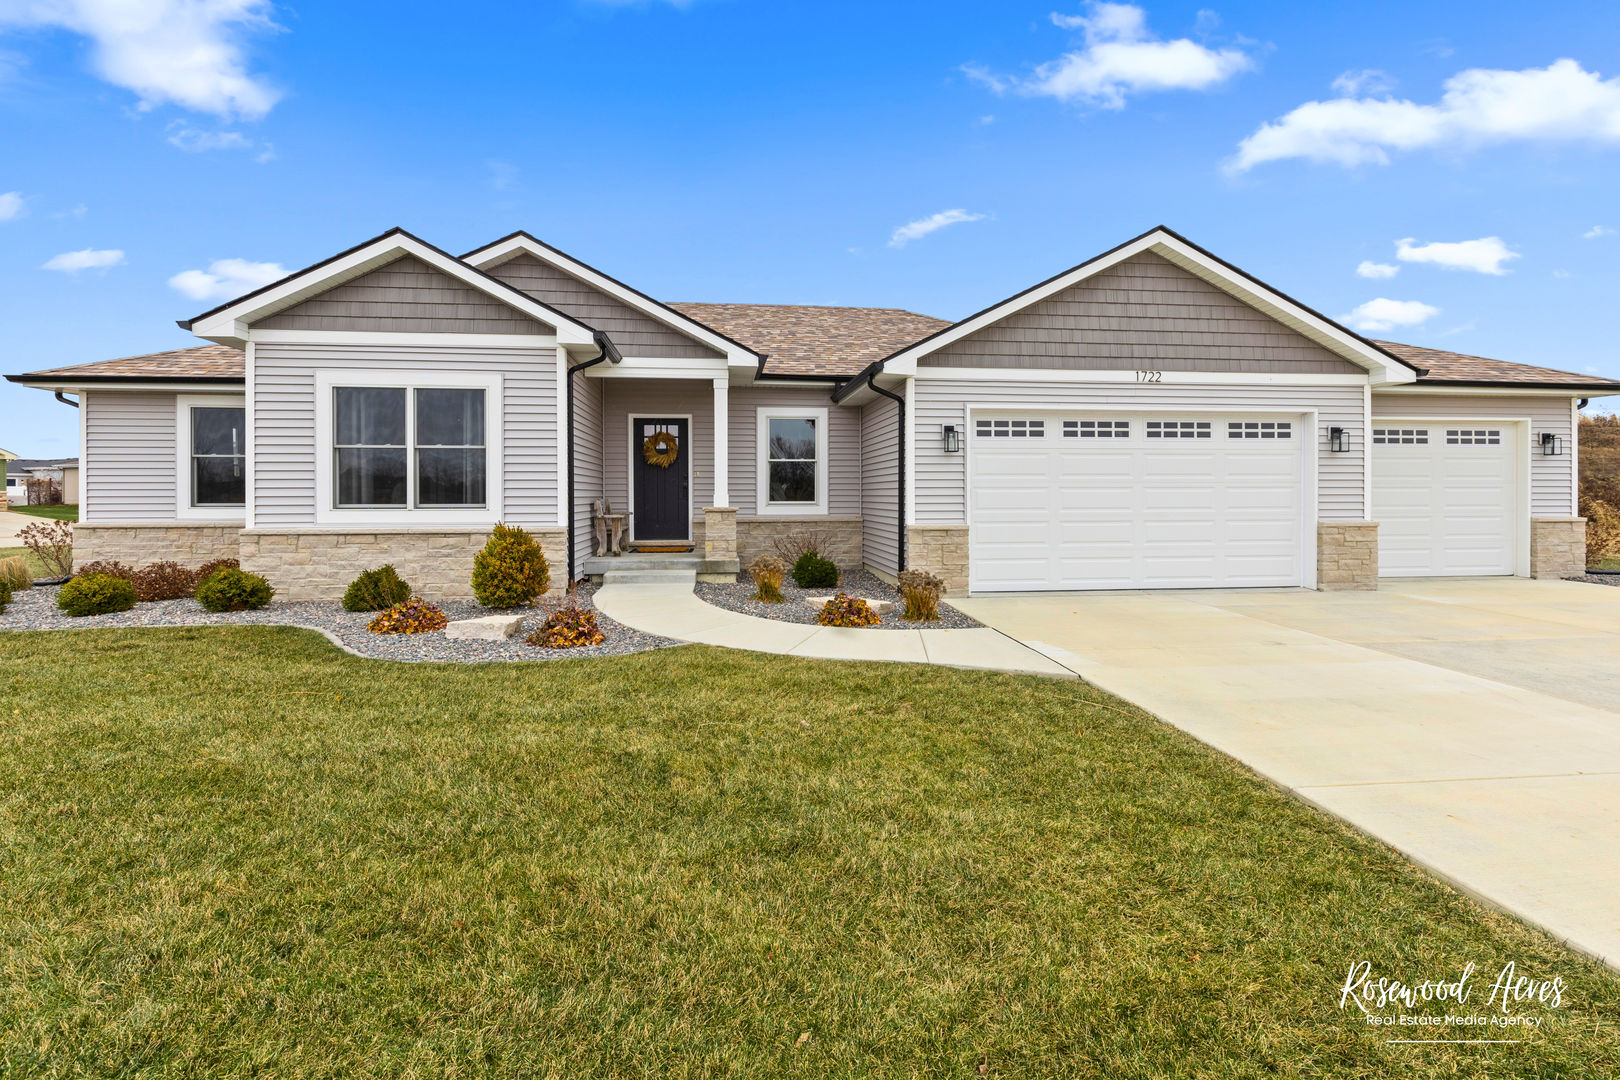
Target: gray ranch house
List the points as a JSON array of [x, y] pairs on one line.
[[1153, 418]]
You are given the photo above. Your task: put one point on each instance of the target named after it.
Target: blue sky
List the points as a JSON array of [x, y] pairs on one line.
[[160, 155]]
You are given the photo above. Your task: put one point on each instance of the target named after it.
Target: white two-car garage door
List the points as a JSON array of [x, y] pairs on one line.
[[1136, 501], [1445, 498]]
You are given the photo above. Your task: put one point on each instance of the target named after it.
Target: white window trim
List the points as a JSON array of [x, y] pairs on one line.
[[183, 509], [763, 507], [327, 513]]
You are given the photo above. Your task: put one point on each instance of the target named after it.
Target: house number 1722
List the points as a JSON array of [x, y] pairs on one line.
[[1150, 376]]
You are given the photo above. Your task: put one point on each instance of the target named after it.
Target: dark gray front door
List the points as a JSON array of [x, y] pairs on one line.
[[661, 502]]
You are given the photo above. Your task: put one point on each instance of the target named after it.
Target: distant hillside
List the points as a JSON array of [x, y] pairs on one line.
[[1600, 458]]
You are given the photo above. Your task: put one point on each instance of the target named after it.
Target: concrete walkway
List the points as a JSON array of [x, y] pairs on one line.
[[1472, 724], [674, 611], [11, 524]]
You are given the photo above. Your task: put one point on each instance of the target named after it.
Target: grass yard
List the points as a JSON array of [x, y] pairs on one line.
[[238, 851], [33, 560], [55, 513]]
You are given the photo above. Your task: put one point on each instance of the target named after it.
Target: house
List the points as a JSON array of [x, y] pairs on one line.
[[1152, 418], [65, 471], [6, 458]]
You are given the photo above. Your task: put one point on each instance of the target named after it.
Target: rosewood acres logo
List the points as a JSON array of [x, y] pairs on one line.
[[1441, 1010]]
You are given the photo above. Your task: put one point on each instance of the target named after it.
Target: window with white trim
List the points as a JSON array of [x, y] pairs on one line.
[[1096, 429], [1473, 437], [1178, 429], [1011, 429], [406, 447], [218, 456], [1259, 429], [1400, 436], [792, 461]]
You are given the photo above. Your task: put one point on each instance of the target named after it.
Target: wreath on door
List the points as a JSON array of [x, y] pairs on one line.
[[660, 449]]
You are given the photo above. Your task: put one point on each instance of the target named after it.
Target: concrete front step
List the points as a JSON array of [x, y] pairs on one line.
[[693, 567], [651, 576]]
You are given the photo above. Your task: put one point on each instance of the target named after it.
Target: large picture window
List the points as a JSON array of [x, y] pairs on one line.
[[403, 448], [792, 461], [218, 456]]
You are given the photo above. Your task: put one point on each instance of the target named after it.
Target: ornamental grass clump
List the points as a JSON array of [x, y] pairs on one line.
[[234, 590], [414, 616], [15, 573], [511, 570], [164, 581], [814, 572], [846, 610], [569, 627], [768, 572], [921, 592], [5, 593], [376, 590], [96, 594]]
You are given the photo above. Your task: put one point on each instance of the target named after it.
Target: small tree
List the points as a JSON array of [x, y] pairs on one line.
[[511, 570], [52, 544]]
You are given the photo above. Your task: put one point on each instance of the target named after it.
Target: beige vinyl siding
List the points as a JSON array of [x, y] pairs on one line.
[[1144, 312], [842, 445], [634, 333], [406, 296], [1552, 480], [284, 425], [129, 455], [880, 478], [941, 480], [587, 463]]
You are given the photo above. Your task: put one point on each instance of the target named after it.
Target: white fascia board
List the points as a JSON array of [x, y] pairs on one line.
[[651, 367], [1382, 369], [71, 387], [1490, 391], [1164, 378], [227, 325], [504, 250], [531, 342]]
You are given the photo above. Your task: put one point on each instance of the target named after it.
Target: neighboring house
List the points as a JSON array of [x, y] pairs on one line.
[[6, 458], [1152, 418], [19, 471]]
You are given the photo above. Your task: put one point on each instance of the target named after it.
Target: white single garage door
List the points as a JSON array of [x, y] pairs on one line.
[[1135, 501], [1445, 498]]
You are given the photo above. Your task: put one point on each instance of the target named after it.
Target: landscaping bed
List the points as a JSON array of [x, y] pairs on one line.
[[1597, 579], [738, 596], [35, 609]]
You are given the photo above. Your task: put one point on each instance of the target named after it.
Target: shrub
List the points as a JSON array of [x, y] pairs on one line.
[[568, 628], [814, 572], [96, 594], [52, 544], [164, 581], [921, 592], [796, 544], [5, 593], [846, 610], [375, 590], [214, 566], [110, 567], [768, 572], [234, 590], [511, 570], [14, 572], [1602, 531], [413, 616]]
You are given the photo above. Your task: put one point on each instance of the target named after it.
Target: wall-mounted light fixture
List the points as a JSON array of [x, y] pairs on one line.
[[1551, 444], [953, 439], [1338, 440]]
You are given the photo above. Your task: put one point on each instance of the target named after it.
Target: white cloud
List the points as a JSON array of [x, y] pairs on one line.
[[1597, 232], [1562, 274], [1370, 269], [1120, 57], [1559, 103], [196, 141], [185, 52], [226, 279], [71, 262], [11, 206], [1483, 256], [1365, 81], [916, 230], [1382, 314]]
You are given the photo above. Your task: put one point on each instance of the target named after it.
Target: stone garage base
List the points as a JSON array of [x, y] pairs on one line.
[[137, 544], [943, 550], [1557, 547], [1346, 555], [319, 564]]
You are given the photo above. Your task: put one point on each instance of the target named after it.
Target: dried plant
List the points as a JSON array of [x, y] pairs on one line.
[[52, 544], [1602, 531], [846, 610], [15, 573], [569, 627], [921, 591], [414, 616], [793, 546], [164, 581], [768, 572]]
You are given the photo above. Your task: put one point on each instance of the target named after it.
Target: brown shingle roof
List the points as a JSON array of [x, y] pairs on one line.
[[802, 339], [1446, 366], [199, 362]]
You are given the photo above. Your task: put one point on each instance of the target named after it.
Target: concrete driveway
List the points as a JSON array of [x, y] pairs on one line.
[[1473, 724], [11, 524]]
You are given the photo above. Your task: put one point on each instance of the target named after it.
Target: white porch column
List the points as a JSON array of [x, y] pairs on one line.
[[722, 446]]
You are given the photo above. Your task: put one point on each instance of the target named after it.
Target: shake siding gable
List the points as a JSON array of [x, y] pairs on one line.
[[284, 429], [405, 296], [634, 333], [1552, 479], [1144, 312], [880, 493], [129, 447]]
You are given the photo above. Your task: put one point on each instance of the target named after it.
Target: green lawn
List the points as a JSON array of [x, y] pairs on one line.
[[55, 513], [238, 851], [33, 561]]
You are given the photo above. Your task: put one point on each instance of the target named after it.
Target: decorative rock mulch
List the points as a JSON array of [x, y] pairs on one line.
[[1598, 579], [35, 609], [739, 597]]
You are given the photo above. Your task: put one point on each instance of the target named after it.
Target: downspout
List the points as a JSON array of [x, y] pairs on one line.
[[609, 352], [75, 404], [900, 435]]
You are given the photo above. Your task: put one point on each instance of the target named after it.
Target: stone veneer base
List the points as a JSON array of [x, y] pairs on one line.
[[942, 550], [1346, 555], [758, 536], [1557, 547], [139, 543], [319, 563]]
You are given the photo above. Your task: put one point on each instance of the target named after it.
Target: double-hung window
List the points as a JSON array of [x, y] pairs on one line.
[[428, 450], [211, 459], [792, 461]]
